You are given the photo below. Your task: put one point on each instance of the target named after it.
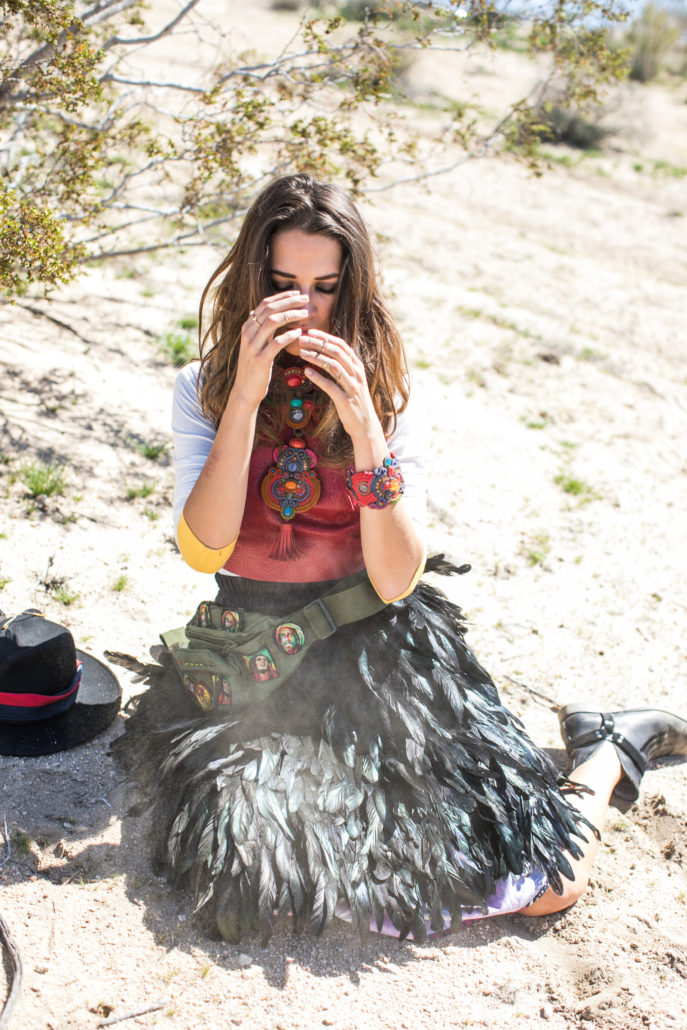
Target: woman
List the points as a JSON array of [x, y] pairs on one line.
[[359, 755]]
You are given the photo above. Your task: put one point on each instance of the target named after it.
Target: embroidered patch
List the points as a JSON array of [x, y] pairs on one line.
[[223, 688], [203, 615], [198, 690], [261, 666], [230, 620], [289, 637]]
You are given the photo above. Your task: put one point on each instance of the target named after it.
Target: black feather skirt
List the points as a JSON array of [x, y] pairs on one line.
[[385, 774]]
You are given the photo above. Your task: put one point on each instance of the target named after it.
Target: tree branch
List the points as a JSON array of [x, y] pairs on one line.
[[102, 12], [148, 83], [181, 239], [143, 40]]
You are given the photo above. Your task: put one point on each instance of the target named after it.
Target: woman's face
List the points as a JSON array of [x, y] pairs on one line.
[[310, 263]]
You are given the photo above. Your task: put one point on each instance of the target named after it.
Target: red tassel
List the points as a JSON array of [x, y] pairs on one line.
[[284, 546]]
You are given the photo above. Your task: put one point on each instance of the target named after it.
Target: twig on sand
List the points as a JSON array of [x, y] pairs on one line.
[[553, 705], [132, 1014], [12, 957], [39, 313]]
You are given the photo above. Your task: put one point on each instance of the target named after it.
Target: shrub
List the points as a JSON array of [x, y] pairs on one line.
[[180, 347], [650, 37], [563, 125], [43, 480]]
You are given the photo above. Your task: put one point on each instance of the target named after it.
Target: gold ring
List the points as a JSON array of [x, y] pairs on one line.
[[252, 315], [325, 365]]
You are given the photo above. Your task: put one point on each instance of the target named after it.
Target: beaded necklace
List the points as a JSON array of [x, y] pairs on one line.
[[290, 486]]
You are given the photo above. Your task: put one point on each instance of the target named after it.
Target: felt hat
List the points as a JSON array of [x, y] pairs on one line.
[[52, 696]]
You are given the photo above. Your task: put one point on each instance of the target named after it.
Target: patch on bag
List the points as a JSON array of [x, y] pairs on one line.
[[203, 615], [230, 620], [223, 690], [199, 691], [289, 637], [261, 666], [209, 690]]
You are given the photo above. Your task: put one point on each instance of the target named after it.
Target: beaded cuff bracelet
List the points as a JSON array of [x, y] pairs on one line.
[[379, 488]]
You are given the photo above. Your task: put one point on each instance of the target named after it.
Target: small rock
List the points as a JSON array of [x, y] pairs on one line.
[[40, 969], [245, 960], [546, 1011], [587, 1014], [182, 919]]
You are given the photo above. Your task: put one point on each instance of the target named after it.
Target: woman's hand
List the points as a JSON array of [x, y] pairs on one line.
[[345, 382], [259, 346], [392, 548]]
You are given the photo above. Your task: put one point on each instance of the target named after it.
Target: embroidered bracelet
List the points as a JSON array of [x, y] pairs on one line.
[[379, 488]]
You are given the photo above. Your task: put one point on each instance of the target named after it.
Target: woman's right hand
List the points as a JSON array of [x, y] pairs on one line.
[[259, 346]]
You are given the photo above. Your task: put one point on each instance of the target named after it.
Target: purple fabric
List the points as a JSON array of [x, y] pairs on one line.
[[512, 894]]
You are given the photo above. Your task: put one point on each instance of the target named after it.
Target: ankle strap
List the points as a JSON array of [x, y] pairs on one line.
[[607, 731]]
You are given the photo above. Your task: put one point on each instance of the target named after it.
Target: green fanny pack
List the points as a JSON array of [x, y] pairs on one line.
[[230, 657]]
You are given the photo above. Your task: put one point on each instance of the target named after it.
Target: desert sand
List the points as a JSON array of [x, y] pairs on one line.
[[544, 322]]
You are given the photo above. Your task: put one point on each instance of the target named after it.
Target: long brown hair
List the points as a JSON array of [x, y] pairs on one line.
[[359, 315]]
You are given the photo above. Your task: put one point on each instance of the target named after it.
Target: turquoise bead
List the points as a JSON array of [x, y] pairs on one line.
[[296, 402]]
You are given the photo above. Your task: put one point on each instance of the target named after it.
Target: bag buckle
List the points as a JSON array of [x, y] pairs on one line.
[[317, 608]]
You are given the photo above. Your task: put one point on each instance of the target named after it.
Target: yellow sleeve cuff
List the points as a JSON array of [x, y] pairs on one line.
[[196, 554], [413, 583]]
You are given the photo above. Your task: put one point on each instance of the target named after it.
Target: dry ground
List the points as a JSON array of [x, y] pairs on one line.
[[543, 323]]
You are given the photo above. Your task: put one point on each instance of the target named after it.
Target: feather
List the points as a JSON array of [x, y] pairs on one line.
[[360, 909], [437, 912], [284, 901], [297, 900], [228, 911], [324, 838], [284, 858], [377, 897], [267, 764], [267, 896], [269, 808], [250, 771], [296, 795], [418, 927], [318, 917]]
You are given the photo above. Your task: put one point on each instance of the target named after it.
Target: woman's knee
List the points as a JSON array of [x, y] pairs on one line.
[[551, 902]]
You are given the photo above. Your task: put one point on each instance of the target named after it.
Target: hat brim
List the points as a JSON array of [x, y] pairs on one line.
[[96, 705]]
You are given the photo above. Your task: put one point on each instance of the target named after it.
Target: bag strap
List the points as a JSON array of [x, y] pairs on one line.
[[326, 614]]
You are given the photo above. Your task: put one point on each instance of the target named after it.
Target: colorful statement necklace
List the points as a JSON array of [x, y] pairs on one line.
[[290, 486]]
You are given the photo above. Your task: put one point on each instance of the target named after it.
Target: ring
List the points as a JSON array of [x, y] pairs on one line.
[[252, 315], [325, 365]]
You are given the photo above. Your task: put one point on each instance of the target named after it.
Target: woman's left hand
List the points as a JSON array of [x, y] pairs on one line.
[[345, 381]]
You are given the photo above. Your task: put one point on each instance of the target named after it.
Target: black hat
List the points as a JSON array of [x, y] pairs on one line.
[[52, 696]]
